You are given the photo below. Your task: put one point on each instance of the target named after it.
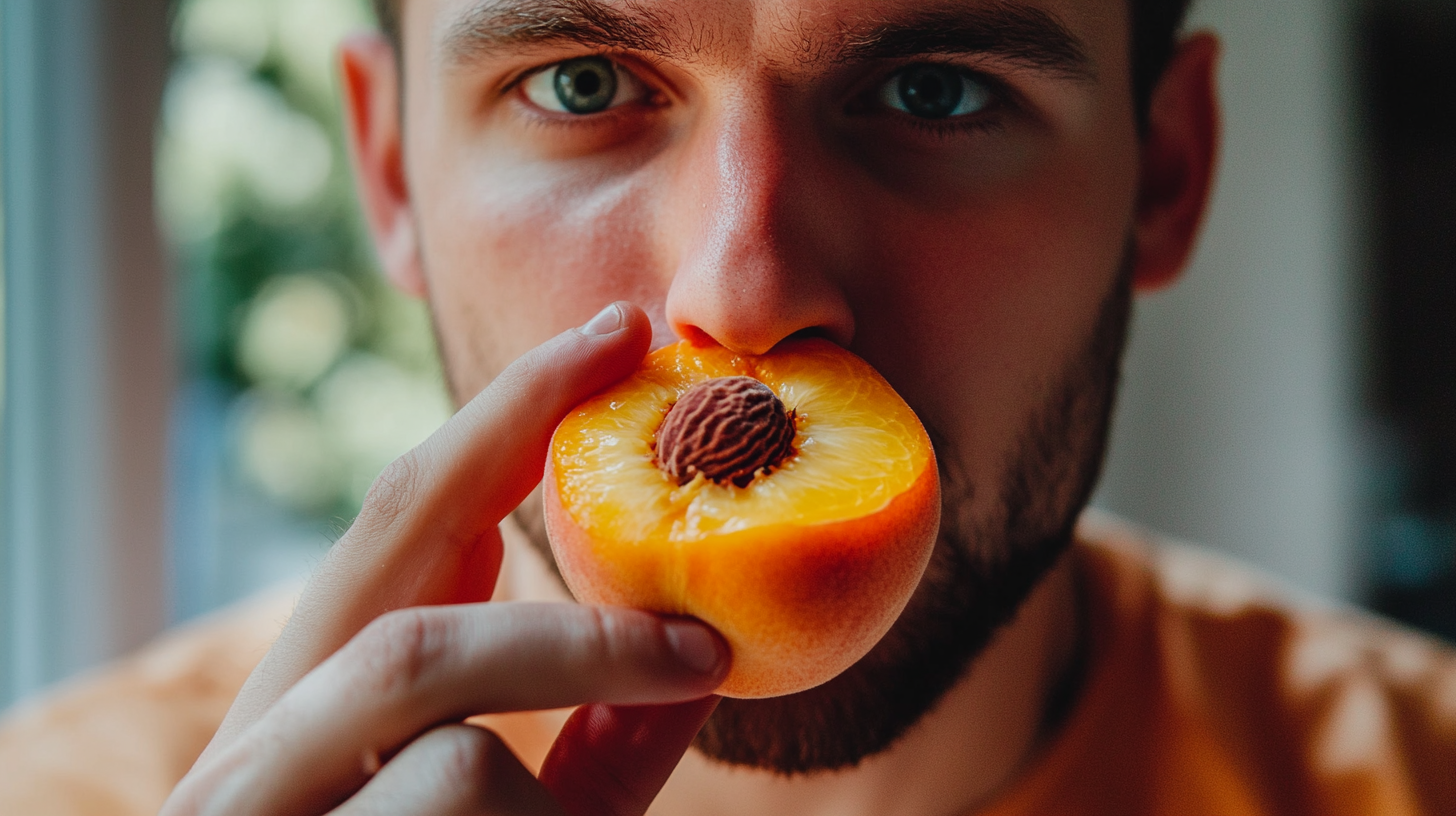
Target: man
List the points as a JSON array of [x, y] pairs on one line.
[[966, 193]]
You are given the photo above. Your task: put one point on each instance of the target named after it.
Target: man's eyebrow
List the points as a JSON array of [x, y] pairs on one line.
[[1011, 31], [507, 24]]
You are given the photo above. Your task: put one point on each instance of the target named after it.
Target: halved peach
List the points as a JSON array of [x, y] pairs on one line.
[[802, 561]]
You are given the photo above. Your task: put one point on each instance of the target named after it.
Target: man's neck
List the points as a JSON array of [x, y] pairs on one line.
[[969, 747]]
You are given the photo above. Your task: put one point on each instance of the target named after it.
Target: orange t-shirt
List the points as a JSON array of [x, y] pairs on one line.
[[1210, 689], [1215, 690]]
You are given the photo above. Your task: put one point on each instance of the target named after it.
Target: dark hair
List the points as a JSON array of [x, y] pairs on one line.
[[1155, 26], [387, 13]]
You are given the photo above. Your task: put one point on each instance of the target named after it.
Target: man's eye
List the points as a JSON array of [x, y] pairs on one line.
[[935, 92], [581, 86]]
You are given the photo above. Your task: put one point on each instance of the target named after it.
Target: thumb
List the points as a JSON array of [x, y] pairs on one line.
[[612, 760]]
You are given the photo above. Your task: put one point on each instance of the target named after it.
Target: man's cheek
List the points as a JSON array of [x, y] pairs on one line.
[[972, 312], [537, 248]]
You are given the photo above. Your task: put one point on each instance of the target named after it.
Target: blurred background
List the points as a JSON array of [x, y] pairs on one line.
[[203, 370]]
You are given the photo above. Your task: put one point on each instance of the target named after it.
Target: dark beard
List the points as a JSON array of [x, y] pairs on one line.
[[981, 571]]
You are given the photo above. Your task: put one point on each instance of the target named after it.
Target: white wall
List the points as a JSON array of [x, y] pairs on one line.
[[1235, 422]]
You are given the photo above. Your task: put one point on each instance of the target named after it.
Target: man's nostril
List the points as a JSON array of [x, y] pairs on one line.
[[812, 331]]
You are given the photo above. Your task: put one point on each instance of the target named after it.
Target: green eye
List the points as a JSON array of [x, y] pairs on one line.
[[582, 86], [935, 92], [585, 85]]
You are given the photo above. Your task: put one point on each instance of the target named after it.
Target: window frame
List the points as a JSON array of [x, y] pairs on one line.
[[88, 351]]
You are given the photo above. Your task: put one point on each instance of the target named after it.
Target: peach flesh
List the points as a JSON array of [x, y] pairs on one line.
[[805, 568]]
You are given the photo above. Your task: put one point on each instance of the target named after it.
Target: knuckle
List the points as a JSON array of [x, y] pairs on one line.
[[470, 754], [396, 489], [400, 648], [615, 636], [596, 638]]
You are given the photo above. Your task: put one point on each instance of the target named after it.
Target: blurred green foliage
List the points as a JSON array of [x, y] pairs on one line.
[[334, 374]]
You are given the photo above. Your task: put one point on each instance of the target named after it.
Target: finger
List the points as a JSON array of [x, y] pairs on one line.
[[454, 770], [428, 531], [418, 668], [431, 504], [613, 760], [494, 449]]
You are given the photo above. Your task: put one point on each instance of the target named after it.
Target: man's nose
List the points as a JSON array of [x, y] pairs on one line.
[[753, 235]]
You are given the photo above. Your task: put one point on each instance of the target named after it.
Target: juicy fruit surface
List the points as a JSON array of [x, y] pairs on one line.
[[802, 567], [846, 417]]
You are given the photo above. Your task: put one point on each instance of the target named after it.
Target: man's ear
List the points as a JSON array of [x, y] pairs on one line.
[[1179, 153], [372, 100]]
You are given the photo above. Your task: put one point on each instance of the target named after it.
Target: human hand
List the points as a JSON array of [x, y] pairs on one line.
[[358, 708]]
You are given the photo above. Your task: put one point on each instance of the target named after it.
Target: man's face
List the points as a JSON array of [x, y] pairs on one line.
[[948, 189]]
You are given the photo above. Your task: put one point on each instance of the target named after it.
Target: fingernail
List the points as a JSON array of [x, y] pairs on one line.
[[695, 646], [607, 321]]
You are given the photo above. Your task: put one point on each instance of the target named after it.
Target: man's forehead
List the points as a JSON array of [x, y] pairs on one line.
[[1040, 34]]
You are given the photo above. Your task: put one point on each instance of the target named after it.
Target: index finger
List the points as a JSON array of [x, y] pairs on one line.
[[494, 449], [427, 534]]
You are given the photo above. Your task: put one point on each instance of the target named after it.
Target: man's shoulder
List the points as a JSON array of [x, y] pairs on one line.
[[1283, 701], [1204, 600], [117, 740]]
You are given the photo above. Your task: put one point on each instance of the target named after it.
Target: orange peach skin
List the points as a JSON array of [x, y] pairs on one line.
[[797, 604]]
